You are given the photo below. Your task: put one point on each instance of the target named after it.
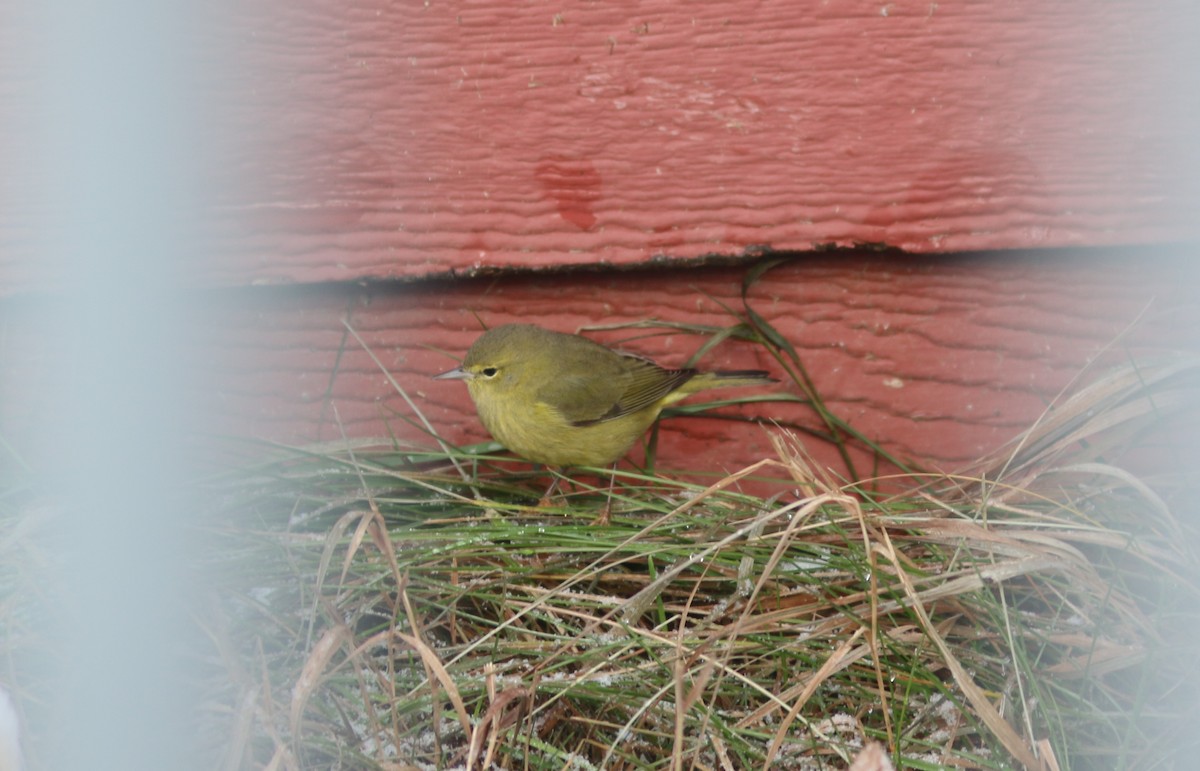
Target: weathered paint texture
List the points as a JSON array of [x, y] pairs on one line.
[[400, 139]]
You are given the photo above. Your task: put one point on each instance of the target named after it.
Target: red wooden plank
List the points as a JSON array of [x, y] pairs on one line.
[[403, 139], [941, 360], [462, 136]]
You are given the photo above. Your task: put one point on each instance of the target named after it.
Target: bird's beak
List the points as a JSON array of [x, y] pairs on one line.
[[454, 374]]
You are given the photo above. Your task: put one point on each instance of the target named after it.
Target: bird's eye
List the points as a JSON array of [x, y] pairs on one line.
[[488, 371]]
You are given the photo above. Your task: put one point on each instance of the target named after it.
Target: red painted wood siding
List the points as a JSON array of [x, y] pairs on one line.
[[399, 139], [410, 140], [402, 139], [940, 359]]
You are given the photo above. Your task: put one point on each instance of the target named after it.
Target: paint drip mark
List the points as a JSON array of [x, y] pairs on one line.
[[574, 187]]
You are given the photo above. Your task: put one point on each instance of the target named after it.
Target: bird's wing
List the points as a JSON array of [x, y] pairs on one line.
[[608, 390]]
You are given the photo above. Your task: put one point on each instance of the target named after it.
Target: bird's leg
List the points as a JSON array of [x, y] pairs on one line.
[[603, 519], [546, 498]]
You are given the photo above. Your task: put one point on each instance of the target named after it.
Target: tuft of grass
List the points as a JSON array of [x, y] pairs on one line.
[[400, 607]]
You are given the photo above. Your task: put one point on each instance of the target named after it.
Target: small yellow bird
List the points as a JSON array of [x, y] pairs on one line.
[[565, 400]]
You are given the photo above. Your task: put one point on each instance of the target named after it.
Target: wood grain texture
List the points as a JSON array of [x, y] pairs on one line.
[[403, 139], [941, 360]]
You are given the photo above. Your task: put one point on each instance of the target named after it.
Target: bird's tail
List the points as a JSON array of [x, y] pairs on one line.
[[731, 378]]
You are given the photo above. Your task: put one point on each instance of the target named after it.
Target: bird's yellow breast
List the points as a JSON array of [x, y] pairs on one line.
[[538, 432]]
